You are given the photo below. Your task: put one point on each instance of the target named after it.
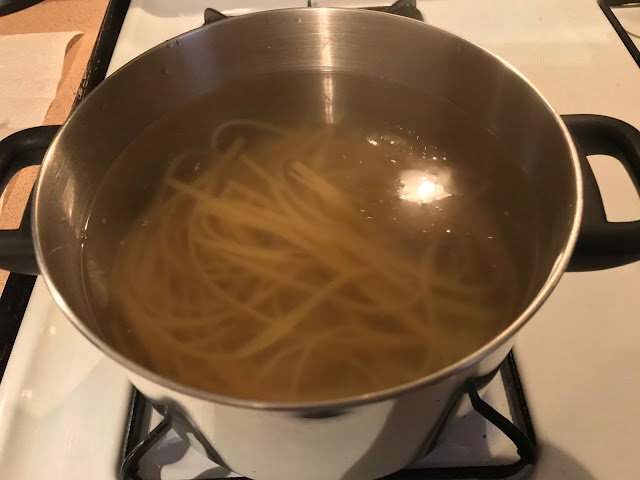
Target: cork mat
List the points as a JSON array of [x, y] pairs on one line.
[[51, 16]]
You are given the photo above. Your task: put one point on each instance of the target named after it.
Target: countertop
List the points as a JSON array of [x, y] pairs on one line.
[[51, 16]]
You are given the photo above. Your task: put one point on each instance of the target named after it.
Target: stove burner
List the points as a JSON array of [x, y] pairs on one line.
[[519, 431], [403, 8]]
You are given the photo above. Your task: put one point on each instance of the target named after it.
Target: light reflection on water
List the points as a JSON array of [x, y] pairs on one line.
[[422, 186]]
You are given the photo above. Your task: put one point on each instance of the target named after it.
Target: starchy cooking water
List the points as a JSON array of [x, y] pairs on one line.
[[307, 236]]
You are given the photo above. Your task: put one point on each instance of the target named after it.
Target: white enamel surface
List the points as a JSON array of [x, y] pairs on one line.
[[62, 403], [578, 357]]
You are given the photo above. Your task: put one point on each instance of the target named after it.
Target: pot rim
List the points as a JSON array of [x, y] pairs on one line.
[[556, 272]]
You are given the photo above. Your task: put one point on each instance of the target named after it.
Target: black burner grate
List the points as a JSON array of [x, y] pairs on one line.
[[403, 8], [519, 430], [606, 6]]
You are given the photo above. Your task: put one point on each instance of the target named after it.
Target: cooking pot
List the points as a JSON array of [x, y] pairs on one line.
[[371, 435]]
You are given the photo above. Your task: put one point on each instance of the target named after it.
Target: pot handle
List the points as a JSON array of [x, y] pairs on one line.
[[17, 151], [603, 244]]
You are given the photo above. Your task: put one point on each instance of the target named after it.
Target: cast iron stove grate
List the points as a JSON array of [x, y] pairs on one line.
[[625, 36], [403, 8]]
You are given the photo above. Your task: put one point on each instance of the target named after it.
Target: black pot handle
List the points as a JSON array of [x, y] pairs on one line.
[[17, 151], [603, 244]]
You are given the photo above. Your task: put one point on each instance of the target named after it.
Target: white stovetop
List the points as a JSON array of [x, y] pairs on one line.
[[579, 357]]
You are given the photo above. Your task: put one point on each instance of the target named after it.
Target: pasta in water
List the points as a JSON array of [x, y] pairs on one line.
[[274, 265]]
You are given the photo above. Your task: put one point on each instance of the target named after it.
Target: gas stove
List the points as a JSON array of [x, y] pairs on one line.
[[570, 385]]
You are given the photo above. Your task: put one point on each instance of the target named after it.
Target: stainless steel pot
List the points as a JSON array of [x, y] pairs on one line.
[[372, 435]]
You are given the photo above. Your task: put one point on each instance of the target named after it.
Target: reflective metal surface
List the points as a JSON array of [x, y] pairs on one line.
[[359, 438]]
